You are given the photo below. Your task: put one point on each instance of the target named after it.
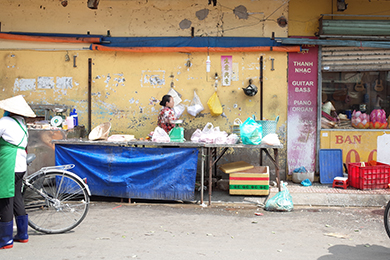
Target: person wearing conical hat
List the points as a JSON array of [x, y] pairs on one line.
[[13, 143]]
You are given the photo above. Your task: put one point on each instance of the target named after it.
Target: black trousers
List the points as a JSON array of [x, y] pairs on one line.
[[14, 205]]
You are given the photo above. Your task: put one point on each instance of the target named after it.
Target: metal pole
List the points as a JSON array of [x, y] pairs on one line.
[[261, 87], [209, 152], [89, 93], [202, 177], [261, 101]]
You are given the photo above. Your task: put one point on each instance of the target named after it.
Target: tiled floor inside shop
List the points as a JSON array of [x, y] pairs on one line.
[[317, 187]]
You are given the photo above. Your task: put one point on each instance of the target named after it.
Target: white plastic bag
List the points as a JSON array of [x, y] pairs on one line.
[[179, 109], [220, 137], [213, 135], [271, 139], [196, 135], [232, 139], [208, 128], [196, 106], [237, 121], [206, 135], [175, 95], [160, 135]]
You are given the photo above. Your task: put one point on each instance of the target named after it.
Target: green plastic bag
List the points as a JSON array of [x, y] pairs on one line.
[[282, 201], [251, 132]]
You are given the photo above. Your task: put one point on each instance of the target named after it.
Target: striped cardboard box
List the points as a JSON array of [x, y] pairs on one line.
[[254, 181]]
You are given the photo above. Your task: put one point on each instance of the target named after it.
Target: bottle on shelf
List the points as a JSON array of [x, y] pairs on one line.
[[75, 117]]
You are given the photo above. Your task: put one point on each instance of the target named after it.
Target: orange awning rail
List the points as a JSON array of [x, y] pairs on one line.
[[33, 38], [97, 47]]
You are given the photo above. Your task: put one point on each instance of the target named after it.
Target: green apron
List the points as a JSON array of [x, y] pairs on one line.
[[7, 165]]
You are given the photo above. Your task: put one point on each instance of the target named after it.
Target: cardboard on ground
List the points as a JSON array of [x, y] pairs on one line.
[[235, 167]]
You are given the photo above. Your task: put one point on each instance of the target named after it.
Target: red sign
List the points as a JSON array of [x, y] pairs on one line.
[[302, 108]]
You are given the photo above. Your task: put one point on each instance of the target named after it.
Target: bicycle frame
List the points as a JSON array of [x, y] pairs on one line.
[[56, 200], [59, 168]]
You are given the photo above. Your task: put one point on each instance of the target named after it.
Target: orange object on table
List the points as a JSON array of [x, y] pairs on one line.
[[371, 163]]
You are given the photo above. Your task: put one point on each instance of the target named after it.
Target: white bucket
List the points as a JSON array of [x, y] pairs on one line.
[[70, 122], [298, 177]]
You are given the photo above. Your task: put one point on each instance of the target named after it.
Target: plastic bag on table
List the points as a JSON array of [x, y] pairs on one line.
[[206, 135], [179, 109], [232, 139], [237, 121], [160, 136], [251, 132], [196, 106], [282, 201], [215, 105], [271, 139], [196, 135], [220, 137], [208, 128]]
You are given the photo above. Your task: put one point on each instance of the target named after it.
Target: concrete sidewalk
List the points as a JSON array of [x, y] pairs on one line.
[[315, 195]]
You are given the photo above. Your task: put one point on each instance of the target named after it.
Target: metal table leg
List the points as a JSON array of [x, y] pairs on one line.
[[209, 153], [202, 177], [275, 161]]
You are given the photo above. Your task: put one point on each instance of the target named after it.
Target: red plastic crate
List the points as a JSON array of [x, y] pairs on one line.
[[369, 177]]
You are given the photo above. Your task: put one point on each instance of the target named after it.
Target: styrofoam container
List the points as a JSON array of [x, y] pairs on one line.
[[298, 177]]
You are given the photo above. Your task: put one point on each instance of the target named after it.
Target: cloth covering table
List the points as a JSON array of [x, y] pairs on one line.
[[133, 172], [210, 153]]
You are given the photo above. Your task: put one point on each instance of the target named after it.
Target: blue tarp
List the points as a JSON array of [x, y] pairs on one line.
[[139, 42], [128, 172], [222, 42]]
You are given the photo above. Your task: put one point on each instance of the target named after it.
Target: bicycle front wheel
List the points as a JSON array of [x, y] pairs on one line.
[[387, 218], [57, 202]]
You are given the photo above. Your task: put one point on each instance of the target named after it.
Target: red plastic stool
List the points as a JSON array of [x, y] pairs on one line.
[[341, 182]]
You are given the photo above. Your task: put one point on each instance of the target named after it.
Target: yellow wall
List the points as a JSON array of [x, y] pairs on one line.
[[357, 146], [120, 91], [144, 17], [304, 14], [118, 87]]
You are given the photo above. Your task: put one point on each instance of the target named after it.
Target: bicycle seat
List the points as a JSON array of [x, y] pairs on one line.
[[30, 157]]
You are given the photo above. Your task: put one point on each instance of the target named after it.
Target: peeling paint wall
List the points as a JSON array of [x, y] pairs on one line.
[[146, 17], [127, 87]]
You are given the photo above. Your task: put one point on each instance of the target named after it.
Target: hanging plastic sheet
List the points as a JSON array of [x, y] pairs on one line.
[[127, 172]]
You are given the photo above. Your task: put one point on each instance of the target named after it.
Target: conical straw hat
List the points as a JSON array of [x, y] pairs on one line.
[[17, 105]]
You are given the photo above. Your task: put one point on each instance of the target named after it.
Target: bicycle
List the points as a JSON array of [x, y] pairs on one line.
[[56, 200], [387, 218]]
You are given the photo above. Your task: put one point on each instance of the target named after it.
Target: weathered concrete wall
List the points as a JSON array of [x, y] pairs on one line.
[[124, 91], [146, 17]]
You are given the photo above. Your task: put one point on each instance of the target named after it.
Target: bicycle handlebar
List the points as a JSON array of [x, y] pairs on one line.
[[30, 157]]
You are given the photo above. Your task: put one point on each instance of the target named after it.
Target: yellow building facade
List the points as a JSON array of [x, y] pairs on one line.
[[356, 144], [124, 89]]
